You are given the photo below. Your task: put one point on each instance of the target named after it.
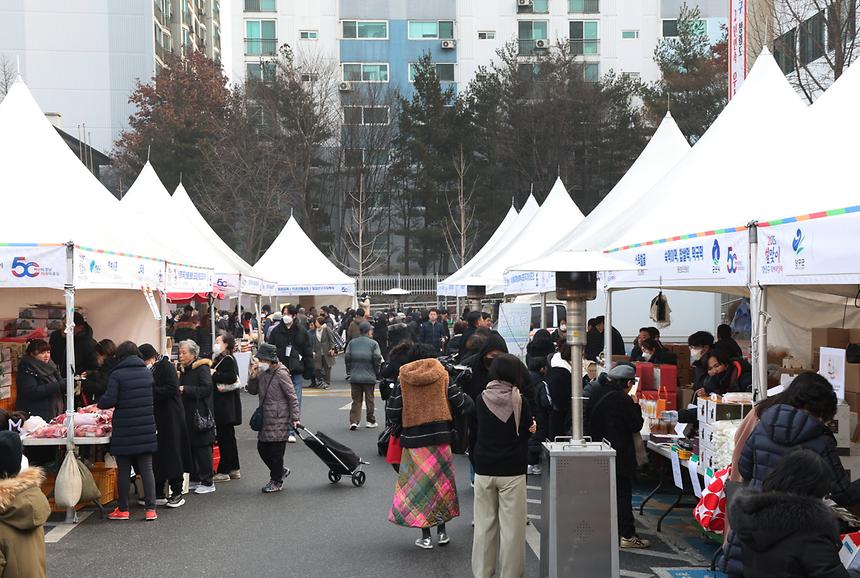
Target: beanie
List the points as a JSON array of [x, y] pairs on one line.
[[10, 454]]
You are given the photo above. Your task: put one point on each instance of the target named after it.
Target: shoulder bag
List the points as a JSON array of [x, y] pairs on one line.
[[227, 387], [256, 421], [203, 423]]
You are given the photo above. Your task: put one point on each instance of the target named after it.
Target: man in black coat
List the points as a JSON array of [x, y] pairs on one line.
[[85, 347], [595, 340], [173, 457], [432, 331], [611, 414], [294, 351]]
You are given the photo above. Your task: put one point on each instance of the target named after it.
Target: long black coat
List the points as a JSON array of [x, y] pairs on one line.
[[174, 448], [85, 350], [301, 357], [197, 392], [785, 536], [129, 392], [228, 405], [39, 394], [611, 414]]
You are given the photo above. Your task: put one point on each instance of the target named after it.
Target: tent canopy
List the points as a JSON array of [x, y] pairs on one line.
[[300, 268]]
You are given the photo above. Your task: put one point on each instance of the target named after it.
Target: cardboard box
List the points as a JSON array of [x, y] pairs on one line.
[[718, 411], [852, 377], [6, 392], [6, 380], [702, 409], [853, 401], [849, 553], [684, 396], [828, 337], [841, 428]]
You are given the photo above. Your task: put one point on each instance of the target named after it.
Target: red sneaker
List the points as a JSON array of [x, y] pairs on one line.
[[151, 515], [118, 514]]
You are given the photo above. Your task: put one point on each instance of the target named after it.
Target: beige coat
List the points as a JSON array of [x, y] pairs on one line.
[[24, 510]]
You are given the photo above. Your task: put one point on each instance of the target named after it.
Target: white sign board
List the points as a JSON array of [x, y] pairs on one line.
[[514, 326], [737, 45], [33, 266], [832, 368]]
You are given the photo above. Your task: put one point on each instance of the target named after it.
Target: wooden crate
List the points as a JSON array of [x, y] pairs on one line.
[[105, 479]]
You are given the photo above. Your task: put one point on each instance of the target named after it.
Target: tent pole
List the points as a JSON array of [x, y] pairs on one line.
[[69, 291], [239, 308], [543, 311], [259, 320], [212, 314], [607, 330], [163, 329], [759, 386], [762, 340]]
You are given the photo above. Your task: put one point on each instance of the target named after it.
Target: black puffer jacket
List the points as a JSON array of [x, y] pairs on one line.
[[736, 377], [786, 536], [129, 392], [781, 429], [611, 414]]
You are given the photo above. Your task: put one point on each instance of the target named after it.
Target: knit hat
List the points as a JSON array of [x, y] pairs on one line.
[[622, 372], [365, 327], [267, 352], [277, 316], [10, 454]]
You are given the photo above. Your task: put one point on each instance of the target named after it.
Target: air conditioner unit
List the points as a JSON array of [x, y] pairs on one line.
[[344, 86], [542, 43], [449, 44], [524, 2]]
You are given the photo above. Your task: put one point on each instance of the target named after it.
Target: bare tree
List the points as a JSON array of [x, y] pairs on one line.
[[459, 235], [814, 41], [363, 233], [7, 75]]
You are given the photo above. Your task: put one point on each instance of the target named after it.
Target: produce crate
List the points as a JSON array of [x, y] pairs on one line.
[[105, 479]]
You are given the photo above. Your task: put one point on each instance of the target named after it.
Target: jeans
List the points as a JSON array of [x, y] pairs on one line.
[[359, 391], [201, 467], [226, 435], [143, 467], [298, 380], [624, 501], [272, 454]]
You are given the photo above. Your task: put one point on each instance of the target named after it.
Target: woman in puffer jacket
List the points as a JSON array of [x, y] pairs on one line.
[[787, 531]]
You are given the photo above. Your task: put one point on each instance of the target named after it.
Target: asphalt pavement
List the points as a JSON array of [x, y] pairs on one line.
[[318, 529]]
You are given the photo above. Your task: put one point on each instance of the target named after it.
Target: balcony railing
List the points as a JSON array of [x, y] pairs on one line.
[[261, 6], [261, 45], [583, 47], [161, 52], [528, 48], [159, 13]]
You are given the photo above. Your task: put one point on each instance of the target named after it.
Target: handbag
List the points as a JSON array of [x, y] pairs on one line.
[[395, 451], [256, 421], [710, 512], [227, 387], [203, 423]]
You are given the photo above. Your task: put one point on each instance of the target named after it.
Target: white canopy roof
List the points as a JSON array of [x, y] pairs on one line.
[[300, 268], [233, 263], [556, 216], [465, 276], [666, 147], [739, 171]]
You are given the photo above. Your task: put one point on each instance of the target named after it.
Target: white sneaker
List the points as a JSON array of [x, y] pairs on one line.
[[353, 426], [371, 424], [291, 439], [201, 489]]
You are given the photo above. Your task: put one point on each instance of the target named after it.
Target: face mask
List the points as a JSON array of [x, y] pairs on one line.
[[217, 348], [149, 365], [646, 356], [695, 355], [264, 366], [288, 319]]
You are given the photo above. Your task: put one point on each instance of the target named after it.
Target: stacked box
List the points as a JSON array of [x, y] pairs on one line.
[[718, 422], [835, 337], [41, 312]]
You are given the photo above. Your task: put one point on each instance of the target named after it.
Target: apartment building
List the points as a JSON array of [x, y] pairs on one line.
[[379, 41], [83, 58]]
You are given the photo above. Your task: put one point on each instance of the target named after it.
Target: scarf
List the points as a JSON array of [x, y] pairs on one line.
[[503, 399], [42, 369], [320, 331]]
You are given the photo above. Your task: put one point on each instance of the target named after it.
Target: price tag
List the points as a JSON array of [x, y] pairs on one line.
[[676, 470], [693, 467]]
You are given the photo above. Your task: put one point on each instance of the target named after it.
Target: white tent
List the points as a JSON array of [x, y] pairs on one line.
[[300, 268], [237, 273], [465, 276], [444, 288], [666, 147], [557, 215]]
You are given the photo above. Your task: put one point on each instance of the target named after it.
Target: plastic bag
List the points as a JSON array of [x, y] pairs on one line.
[[711, 510], [67, 489], [89, 490], [110, 461]]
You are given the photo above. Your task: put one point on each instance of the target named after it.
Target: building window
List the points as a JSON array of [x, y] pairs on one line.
[[528, 31], [811, 33], [783, 51], [365, 157], [444, 71], [365, 29], [631, 75], [260, 71], [591, 72], [670, 28], [309, 34], [423, 30], [486, 34], [364, 72], [260, 37], [629, 34], [536, 7], [584, 39], [261, 5], [310, 77], [583, 6], [365, 115]]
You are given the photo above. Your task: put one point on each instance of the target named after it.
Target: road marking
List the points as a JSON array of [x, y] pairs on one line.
[[59, 531], [633, 574], [530, 501], [534, 488], [665, 555], [347, 406], [533, 516], [533, 539]]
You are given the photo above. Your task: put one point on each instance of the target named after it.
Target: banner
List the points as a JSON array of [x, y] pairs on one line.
[[810, 251], [719, 260], [252, 285], [451, 290], [98, 269], [335, 289], [187, 279], [269, 288], [737, 45], [514, 326], [33, 266], [523, 282]]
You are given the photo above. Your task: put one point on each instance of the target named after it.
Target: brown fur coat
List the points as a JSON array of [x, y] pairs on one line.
[[424, 384]]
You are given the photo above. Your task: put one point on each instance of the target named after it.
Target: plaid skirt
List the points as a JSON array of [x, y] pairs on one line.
[[425, 494]]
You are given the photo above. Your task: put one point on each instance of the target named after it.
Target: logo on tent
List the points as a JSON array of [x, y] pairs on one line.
[[715, 253], [732, 261], [27, 268], [95, 267], [797, 242]]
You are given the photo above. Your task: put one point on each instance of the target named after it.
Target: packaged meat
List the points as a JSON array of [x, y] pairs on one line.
[[50, 431], [92, 430]]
